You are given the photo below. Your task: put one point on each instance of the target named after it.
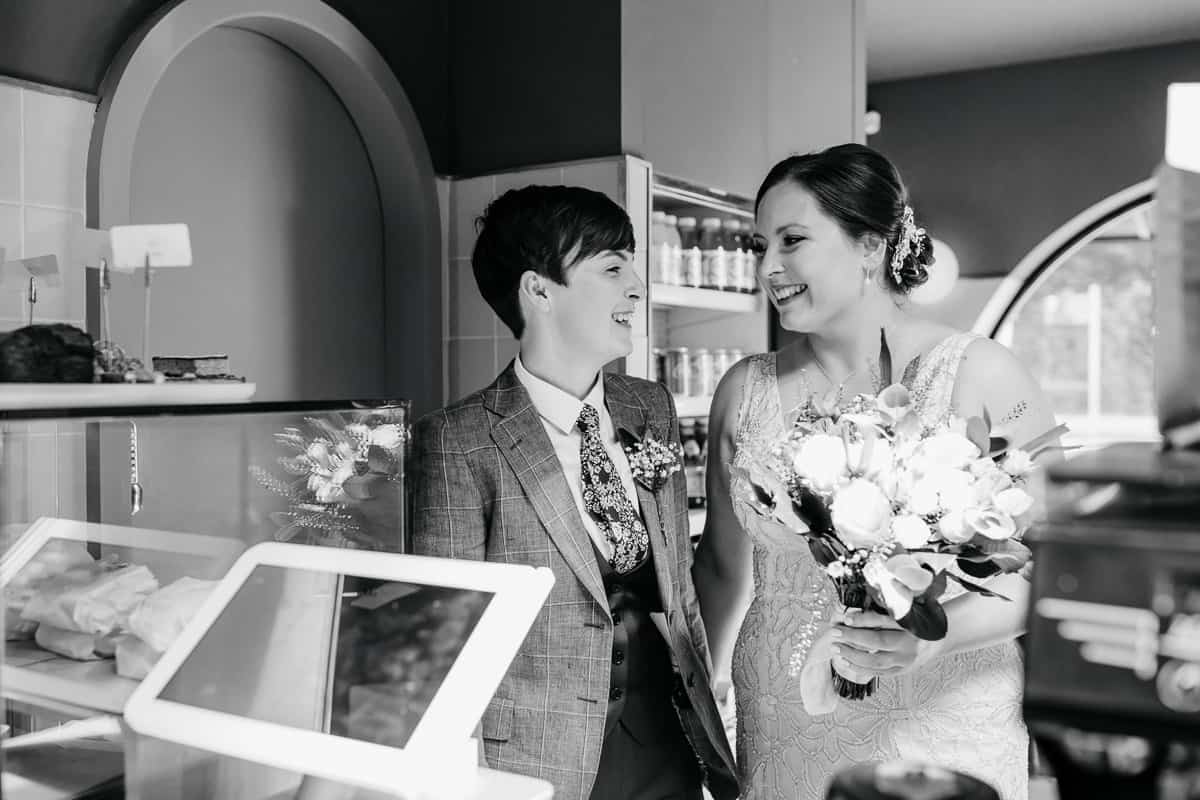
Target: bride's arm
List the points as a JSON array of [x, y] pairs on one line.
[[722, 569], [989, 378]]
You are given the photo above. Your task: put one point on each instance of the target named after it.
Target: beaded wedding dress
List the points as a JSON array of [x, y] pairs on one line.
[[962, 712]]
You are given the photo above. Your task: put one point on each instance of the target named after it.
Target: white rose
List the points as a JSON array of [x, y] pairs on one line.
[[862, 514], [953, 527], [941, 489], [910, 531], [1017, 463], [821, 460], [949, 450], [990, 484], [870, 457], [1014, 501], [991, 523]]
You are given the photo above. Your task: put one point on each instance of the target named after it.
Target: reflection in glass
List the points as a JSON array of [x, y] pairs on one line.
[[392, 646], [1085, 331]]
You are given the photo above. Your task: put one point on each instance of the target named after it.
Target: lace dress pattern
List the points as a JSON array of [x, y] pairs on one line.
[[961, 711]]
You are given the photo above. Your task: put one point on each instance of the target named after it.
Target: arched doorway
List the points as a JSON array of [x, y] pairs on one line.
[[279, 134]]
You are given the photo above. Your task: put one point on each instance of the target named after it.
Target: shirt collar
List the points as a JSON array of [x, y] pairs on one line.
[[555, 405]]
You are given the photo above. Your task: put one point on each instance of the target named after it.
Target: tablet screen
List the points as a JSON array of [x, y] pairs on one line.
[[341, 654]]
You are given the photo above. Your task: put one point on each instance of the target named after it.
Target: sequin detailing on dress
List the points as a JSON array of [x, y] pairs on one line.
[[963, 711]]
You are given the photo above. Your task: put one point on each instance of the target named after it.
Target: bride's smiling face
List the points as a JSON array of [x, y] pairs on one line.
[[811, 270]]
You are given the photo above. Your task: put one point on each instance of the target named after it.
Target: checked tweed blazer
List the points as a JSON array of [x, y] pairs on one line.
[[489, 486]]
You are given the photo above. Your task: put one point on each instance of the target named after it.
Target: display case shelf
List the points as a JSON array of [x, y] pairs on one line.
[[668, 295], [688, 406], [32, 674]]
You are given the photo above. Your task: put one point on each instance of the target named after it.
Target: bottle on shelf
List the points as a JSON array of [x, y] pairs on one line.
[[735, 261], [714, 270], [658, 221], [749, 278], [693, 464], [692, 266]]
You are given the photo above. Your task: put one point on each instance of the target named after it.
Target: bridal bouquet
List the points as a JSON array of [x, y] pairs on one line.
[[895, 511], [336, 474]]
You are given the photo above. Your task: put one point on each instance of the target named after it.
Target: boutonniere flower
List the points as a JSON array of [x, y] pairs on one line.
[[651, 461]]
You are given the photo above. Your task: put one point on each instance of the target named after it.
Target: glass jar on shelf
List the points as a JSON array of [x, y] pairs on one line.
[[679, 371], [692, 262], [672, 256]]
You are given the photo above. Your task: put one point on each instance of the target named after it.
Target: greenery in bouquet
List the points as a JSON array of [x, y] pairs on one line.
[[893, 510], [340, 477]]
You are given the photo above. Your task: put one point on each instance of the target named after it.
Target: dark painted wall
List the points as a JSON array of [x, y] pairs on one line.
[[998, 159], [534, 82], [68, 44]]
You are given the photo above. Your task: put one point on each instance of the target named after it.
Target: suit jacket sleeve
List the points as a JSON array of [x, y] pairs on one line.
[[448, 513]]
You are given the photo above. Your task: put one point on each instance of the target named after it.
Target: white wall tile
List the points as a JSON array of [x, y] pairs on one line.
[[11, 287], [543, 176], [10, 143], [603, 176], [468, 199], [57, 131], [51, 232], [470, 315], [472, 365]]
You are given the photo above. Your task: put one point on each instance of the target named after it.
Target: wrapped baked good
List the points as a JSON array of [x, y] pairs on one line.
[[135, 657], [159, 618], [95, 607], [72, 644], [62, 560]]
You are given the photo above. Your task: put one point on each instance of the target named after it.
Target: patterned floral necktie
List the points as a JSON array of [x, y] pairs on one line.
[[606, 500]]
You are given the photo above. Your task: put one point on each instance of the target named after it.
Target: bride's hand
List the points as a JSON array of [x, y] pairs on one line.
[[871, 643]]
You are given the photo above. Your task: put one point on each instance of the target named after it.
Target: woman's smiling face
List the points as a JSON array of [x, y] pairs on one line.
[[593, 314], [810, 269]]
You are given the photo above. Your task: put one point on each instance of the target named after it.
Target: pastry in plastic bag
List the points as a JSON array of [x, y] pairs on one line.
[[159, 618], [72, 644], [135, 657], [96, 607], [59, 558]]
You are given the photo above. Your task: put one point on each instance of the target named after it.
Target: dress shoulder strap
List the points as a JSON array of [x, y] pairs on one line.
[[760, 372], [933, 387]]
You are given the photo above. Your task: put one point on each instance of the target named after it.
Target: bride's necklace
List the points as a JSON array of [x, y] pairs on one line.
[[840, 387]]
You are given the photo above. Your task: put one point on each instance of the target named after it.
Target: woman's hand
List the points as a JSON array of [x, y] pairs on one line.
[[865, 642]]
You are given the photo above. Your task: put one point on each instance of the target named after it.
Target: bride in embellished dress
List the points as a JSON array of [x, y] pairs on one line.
[[840, 250]]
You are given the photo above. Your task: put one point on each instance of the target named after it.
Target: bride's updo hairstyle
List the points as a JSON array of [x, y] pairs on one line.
[[861, 189]]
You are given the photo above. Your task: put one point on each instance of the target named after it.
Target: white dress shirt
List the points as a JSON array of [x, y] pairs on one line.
[[560, 413]]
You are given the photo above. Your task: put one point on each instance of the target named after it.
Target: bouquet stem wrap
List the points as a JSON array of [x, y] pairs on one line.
[[852, 592]]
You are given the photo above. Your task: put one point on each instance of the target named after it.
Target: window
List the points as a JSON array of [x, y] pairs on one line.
[[1082, 321]]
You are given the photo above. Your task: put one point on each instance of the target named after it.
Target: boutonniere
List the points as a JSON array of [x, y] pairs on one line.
[[651, 460]]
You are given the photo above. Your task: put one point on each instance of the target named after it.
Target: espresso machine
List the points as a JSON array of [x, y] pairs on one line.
[[1112, 672]]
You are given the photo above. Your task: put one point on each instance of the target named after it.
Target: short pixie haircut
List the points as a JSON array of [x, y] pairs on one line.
[[539, 228]]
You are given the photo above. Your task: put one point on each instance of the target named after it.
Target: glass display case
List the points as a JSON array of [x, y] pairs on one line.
[[115, 524]]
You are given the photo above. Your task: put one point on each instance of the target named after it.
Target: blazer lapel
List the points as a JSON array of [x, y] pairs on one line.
[[630, 413], [521, 439]]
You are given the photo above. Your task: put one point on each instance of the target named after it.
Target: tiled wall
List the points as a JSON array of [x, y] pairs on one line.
[[478, 345], [43, 162]]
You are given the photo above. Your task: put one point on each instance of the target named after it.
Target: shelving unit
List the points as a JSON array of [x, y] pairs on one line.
[[669, 296], [686, 316]]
